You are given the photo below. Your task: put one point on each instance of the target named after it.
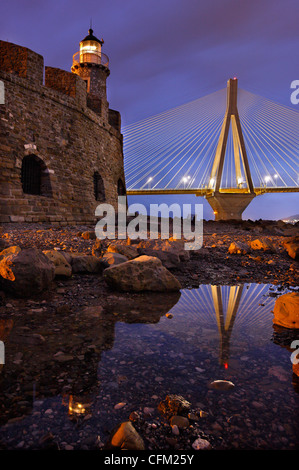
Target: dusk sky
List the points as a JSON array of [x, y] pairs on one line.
[[164, 53]]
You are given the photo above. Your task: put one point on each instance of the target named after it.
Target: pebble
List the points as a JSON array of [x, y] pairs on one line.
[[119, 406], [201, 444], [175, 430], [221, 385], [180, 421]]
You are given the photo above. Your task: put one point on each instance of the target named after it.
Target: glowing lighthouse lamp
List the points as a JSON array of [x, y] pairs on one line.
[[91, 49], [90, 52]]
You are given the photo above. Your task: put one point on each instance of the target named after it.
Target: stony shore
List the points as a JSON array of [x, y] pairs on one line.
[[74, 304], [211, 264]]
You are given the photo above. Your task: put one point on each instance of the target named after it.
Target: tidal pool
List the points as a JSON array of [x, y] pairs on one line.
[[68, 381]]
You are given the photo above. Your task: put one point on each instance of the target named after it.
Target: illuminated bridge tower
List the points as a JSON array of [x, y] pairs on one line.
[[230, 203], [93, 66], [225, 323]]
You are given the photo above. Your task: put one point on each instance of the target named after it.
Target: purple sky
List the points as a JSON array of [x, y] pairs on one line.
[[164, 53]]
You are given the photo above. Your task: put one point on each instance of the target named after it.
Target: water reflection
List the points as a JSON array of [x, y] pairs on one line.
[[240, 306], [43, 361]]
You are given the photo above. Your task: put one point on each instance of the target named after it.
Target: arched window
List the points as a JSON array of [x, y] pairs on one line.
[[98, 187], [121, 189], [35, 176]]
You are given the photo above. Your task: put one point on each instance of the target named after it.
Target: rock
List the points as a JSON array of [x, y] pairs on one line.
[[174, 405], [112, 259], [82, 263], [67, 255], [171, 252], [26, 272], [262, 243], [296, 369], [129, 251], [144, 273], [118, 406], [98, 248], [292, 247], [62, 267], [91, 235], [9, 251], [238, 248], [168, 259], [221, 385], [175, 430], [179, 421], [201, 444], [126, 437], [286, 310]]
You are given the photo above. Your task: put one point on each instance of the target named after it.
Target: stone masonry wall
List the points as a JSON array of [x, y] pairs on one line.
[[54, 123]]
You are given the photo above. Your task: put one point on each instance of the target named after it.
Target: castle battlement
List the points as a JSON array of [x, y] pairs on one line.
[[21, 61], [60, 146]]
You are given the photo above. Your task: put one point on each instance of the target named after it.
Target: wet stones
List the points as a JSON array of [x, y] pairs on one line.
[[180, 421], [286, 310], [174, 405], [222, 385], [126, 437]]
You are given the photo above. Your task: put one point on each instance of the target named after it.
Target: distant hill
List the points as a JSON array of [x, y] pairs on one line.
[[292, 219]]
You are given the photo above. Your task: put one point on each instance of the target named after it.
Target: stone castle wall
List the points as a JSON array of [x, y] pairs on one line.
[[53, 122]]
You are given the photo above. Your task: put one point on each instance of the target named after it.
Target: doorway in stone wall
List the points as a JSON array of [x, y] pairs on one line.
[[35, 177], [98, 187]]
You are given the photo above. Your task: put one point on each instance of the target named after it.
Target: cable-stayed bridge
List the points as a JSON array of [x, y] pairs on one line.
[[229, 147]]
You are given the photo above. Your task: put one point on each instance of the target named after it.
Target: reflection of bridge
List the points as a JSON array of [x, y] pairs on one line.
[[194, 150], [241, 307]]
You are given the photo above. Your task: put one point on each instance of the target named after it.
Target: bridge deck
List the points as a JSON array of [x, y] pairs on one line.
[[208, 192]]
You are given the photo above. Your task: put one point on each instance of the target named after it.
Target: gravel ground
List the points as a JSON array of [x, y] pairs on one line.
[[44, 364]]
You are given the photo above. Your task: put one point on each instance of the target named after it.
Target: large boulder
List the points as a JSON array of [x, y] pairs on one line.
[[286, 310], [26, 272], [145, 273], [292, 247], [82, 263], [62, 267], [263, 243]]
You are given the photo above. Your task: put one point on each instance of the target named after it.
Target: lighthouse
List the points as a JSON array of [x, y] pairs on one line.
[[92, 65]]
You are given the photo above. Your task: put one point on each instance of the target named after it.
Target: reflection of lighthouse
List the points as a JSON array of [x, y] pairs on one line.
[[225, 325]]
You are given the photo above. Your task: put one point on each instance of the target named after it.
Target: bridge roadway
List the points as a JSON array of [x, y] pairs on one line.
[[210, 192]]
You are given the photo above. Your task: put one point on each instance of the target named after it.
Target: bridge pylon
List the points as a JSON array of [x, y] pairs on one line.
[[230, 205]]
